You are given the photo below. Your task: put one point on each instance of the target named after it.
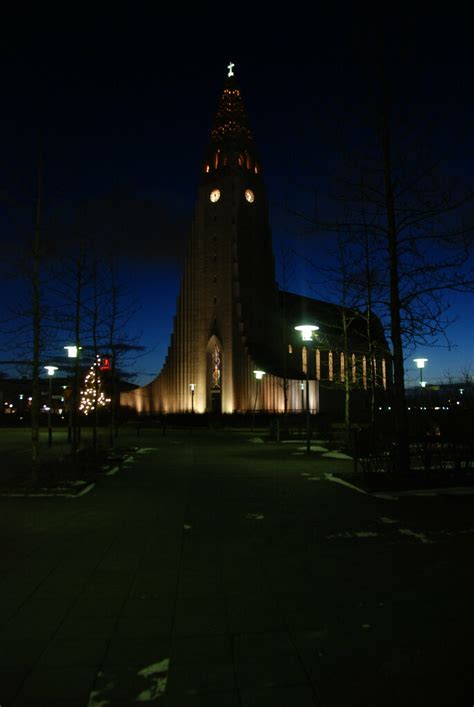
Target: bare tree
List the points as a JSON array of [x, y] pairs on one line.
[[395, 194]]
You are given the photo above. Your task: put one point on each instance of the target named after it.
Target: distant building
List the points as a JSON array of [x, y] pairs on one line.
[[231, 319]]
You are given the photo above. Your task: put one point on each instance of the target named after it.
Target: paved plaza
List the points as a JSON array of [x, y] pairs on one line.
[[216, 570]]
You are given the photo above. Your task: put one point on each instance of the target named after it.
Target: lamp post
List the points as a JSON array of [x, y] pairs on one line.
[[73, 432], [51, 370], [258, 377], [192, 387], [307, 335], [420, 363]]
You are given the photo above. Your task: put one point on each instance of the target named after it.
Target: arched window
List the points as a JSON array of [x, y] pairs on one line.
[[290, 348], [364, 372], [240, 160], [354, 369], [342, 359], [330, 366], [304, 359], [255, 169], [318, 365], [216, 159], [207, 167], [384, 374]]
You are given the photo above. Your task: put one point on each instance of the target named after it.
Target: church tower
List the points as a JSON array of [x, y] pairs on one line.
[[227, 311], [236, 277]]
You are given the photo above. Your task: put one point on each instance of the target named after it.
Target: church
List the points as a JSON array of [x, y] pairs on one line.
[[234, 346]]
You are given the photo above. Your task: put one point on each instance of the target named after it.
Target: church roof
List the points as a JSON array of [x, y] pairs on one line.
[[297, 309], [231, 119]]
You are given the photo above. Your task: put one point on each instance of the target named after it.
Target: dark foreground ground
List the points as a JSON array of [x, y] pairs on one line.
[[216, 571]]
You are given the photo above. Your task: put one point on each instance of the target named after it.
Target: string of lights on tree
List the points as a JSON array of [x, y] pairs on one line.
[[92, 396]]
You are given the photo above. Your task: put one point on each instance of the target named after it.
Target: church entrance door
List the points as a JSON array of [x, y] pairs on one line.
[[216, 405]]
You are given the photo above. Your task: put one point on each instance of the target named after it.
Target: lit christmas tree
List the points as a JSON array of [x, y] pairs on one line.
[[92, 396]]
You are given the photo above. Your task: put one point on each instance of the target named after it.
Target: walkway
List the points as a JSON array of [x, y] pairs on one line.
[[216, 572]]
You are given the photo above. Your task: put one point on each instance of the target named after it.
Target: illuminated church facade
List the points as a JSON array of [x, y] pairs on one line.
[[231, 318]]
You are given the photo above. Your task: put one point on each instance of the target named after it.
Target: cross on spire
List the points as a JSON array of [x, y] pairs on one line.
[[230, 67]]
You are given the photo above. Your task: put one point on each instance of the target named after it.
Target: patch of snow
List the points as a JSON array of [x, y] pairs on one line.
[[299, 454], [411, 533], [388, 521], [255, 516], [459, 491], [355, 534], [84, 491], [95, 701], [345, 534], [112, 471], [157, 674], [256, 440], [128, 460], [365, 534], [336, 455], [385, 496], [144, 450], [337, 480], [314, 478], [187, 527], [48, 493], [316, 448], [304, 473]]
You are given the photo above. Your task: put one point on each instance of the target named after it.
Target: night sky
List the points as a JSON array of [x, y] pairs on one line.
[[125, 104]]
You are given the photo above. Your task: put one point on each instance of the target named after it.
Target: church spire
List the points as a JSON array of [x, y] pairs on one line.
[[231, 119]]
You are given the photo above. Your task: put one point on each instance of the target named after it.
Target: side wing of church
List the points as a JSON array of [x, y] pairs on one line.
[[231, 320]]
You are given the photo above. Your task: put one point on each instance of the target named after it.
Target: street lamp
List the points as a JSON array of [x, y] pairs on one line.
[[51, 370], [73, 351], [420, 363], [258, 377], [307, 335], [192, 387]]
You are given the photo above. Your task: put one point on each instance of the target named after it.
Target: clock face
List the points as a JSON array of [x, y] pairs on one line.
[[250, 196], [215, 195]]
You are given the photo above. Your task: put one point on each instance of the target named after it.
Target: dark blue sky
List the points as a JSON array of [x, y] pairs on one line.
[[125, 105]]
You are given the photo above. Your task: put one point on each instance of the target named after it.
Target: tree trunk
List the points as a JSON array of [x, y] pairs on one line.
[[402, 460], [36, 313], [347, 383]]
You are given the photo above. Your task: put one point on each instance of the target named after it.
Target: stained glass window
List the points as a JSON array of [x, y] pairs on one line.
[[216, 368]]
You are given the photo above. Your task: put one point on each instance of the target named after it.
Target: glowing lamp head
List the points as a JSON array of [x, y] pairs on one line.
[[306, 331], [420, 362], [192, 386], [72, 351], [259, 375], [50, 369], [423, 384]]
